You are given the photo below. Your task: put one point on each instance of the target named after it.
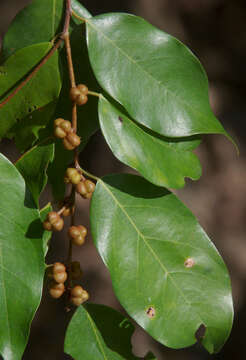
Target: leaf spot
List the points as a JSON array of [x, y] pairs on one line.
[[150, 312], [121, 120], [189, 263], [200, 333]]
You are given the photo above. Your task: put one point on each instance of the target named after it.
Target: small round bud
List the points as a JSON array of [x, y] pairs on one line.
[[81, 188], [59, 133], [66, 126], [58, 122], [79, 240], [52, 217], [83, 89], [58, 268], [73, 175], [73, 139], [47, 225], [76, 301], [81, 99], [56, 290], [88, 195], [68, 211], [85, 296], [60, 277], [58, 225], [77, 291], [82, 230], [67, 144], [90, 186], [74, 93], [73, 232]]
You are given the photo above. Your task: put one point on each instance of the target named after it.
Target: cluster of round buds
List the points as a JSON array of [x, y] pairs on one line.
[[77, 234], [78, 94], [85, 188], [72, 176], [63, 130], [59, 275], [76, 272], [53, 222], [78, 295]]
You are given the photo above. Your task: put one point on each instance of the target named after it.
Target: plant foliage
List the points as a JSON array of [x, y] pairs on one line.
[[152, 107]]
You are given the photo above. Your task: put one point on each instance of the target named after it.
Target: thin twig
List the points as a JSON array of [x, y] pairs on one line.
[[93, 93], [78, 17], [94, 177], [69, 58]]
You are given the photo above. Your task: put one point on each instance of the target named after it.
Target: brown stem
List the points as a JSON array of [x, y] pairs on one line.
[[69, 58], [74, 126], [74, 117]]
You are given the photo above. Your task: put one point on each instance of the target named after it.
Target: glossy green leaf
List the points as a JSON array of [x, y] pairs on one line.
[[38, 22], [21, 261], [46, 234], [99, 332], [80, 10], [165, 271], [42, 89], [163, 162], [154, 76], [33, 166], [87, 114]]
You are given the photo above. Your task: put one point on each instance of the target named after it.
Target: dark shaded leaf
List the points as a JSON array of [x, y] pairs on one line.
[[42, 89], [33, 166], [38, 22]]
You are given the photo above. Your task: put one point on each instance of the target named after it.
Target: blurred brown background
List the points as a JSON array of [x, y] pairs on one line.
[[215, 31]]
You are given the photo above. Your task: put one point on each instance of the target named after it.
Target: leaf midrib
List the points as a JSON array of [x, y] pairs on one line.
[[94, 329], [4, 295]]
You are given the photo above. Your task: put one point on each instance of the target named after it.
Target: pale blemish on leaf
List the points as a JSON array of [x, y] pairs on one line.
[[150, 312], [189, 263]]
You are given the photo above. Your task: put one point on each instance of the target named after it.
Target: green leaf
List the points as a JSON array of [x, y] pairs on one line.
[[80, 10], [154, 76], [27, 131], [21, 261], [33, 166], [42, 89], [99, 332], [163, 162], [87, 114], [38, 22], [165, 271], [46, 234]]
